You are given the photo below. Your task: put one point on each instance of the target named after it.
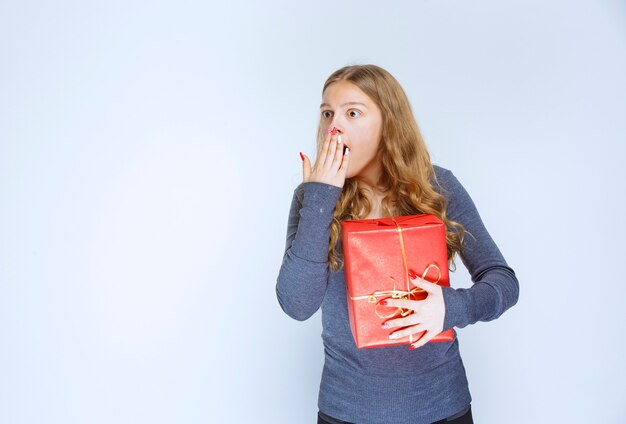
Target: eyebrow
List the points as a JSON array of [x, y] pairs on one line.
[[345, 104]]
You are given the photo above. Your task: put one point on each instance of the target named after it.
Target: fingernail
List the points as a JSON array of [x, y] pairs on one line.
[[338, 139], [347, 151], [411, 347], [382, 302], [302, 156], [334, 131], [412, 274]]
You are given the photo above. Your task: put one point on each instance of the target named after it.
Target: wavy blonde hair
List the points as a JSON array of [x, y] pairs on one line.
[[407, 170]]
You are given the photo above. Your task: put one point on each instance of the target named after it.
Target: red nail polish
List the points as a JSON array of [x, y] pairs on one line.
[[302, 156], [382, 302], [411, 347], [334, 131], [412, 274]]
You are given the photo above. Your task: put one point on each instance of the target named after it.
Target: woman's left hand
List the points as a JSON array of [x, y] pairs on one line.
[[428, 314]]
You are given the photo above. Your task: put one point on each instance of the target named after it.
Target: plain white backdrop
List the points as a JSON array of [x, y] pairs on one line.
[[149, 152]]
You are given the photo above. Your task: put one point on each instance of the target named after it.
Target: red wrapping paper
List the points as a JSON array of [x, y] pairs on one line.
[[377, 256]]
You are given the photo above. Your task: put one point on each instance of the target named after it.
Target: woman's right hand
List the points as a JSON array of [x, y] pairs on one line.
[[331, 165]]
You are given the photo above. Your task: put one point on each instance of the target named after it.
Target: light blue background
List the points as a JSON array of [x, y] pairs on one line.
[[148, 155]]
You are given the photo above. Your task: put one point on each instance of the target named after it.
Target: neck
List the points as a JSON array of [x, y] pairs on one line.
[[369, 180], [369, 177]]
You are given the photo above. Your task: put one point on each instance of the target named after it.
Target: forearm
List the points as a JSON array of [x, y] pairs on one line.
[[496, 287], [303, 276], [495, 292], [301, 286]]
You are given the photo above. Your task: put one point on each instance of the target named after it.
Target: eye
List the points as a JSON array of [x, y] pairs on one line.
[[326, 114], [355, 111]]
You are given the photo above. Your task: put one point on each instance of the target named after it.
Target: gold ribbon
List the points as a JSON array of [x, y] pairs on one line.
[[395, 293]]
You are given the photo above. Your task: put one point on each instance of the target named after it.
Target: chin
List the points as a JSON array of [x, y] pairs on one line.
[[352, 171]]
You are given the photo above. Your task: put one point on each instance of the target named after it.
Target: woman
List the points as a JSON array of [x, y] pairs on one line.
[[372, 162]]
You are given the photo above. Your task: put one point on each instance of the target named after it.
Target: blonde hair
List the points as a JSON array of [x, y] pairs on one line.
[[407, 170]]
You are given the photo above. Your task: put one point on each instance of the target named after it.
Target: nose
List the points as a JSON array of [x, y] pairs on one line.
[[336, 124], [334, 130]]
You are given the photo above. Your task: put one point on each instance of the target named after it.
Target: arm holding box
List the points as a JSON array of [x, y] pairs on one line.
[[495, 287]]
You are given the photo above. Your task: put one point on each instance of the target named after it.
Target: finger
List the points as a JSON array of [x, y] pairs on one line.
[[306, 168], [338, 152], [332, 148], [425, 285], [401, 303], [321, 159], [405, 332], [428, 336], [401, 322], [343, 169]]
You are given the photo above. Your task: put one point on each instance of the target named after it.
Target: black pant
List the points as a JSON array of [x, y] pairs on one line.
[[463, 419]]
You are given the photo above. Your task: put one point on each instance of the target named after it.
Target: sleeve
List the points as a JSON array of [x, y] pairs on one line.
[[495, 287], [303, 275]]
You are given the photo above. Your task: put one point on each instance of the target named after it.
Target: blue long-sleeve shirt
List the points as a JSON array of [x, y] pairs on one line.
[[389, 384]]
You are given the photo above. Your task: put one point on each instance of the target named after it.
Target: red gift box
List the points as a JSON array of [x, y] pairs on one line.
[[378, 254]]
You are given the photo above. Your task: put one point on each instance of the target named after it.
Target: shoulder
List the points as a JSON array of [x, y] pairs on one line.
[[458, 199], [440, 171], [444, 180]]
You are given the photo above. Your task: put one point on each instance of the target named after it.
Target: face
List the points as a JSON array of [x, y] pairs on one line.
[[359, 120]]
